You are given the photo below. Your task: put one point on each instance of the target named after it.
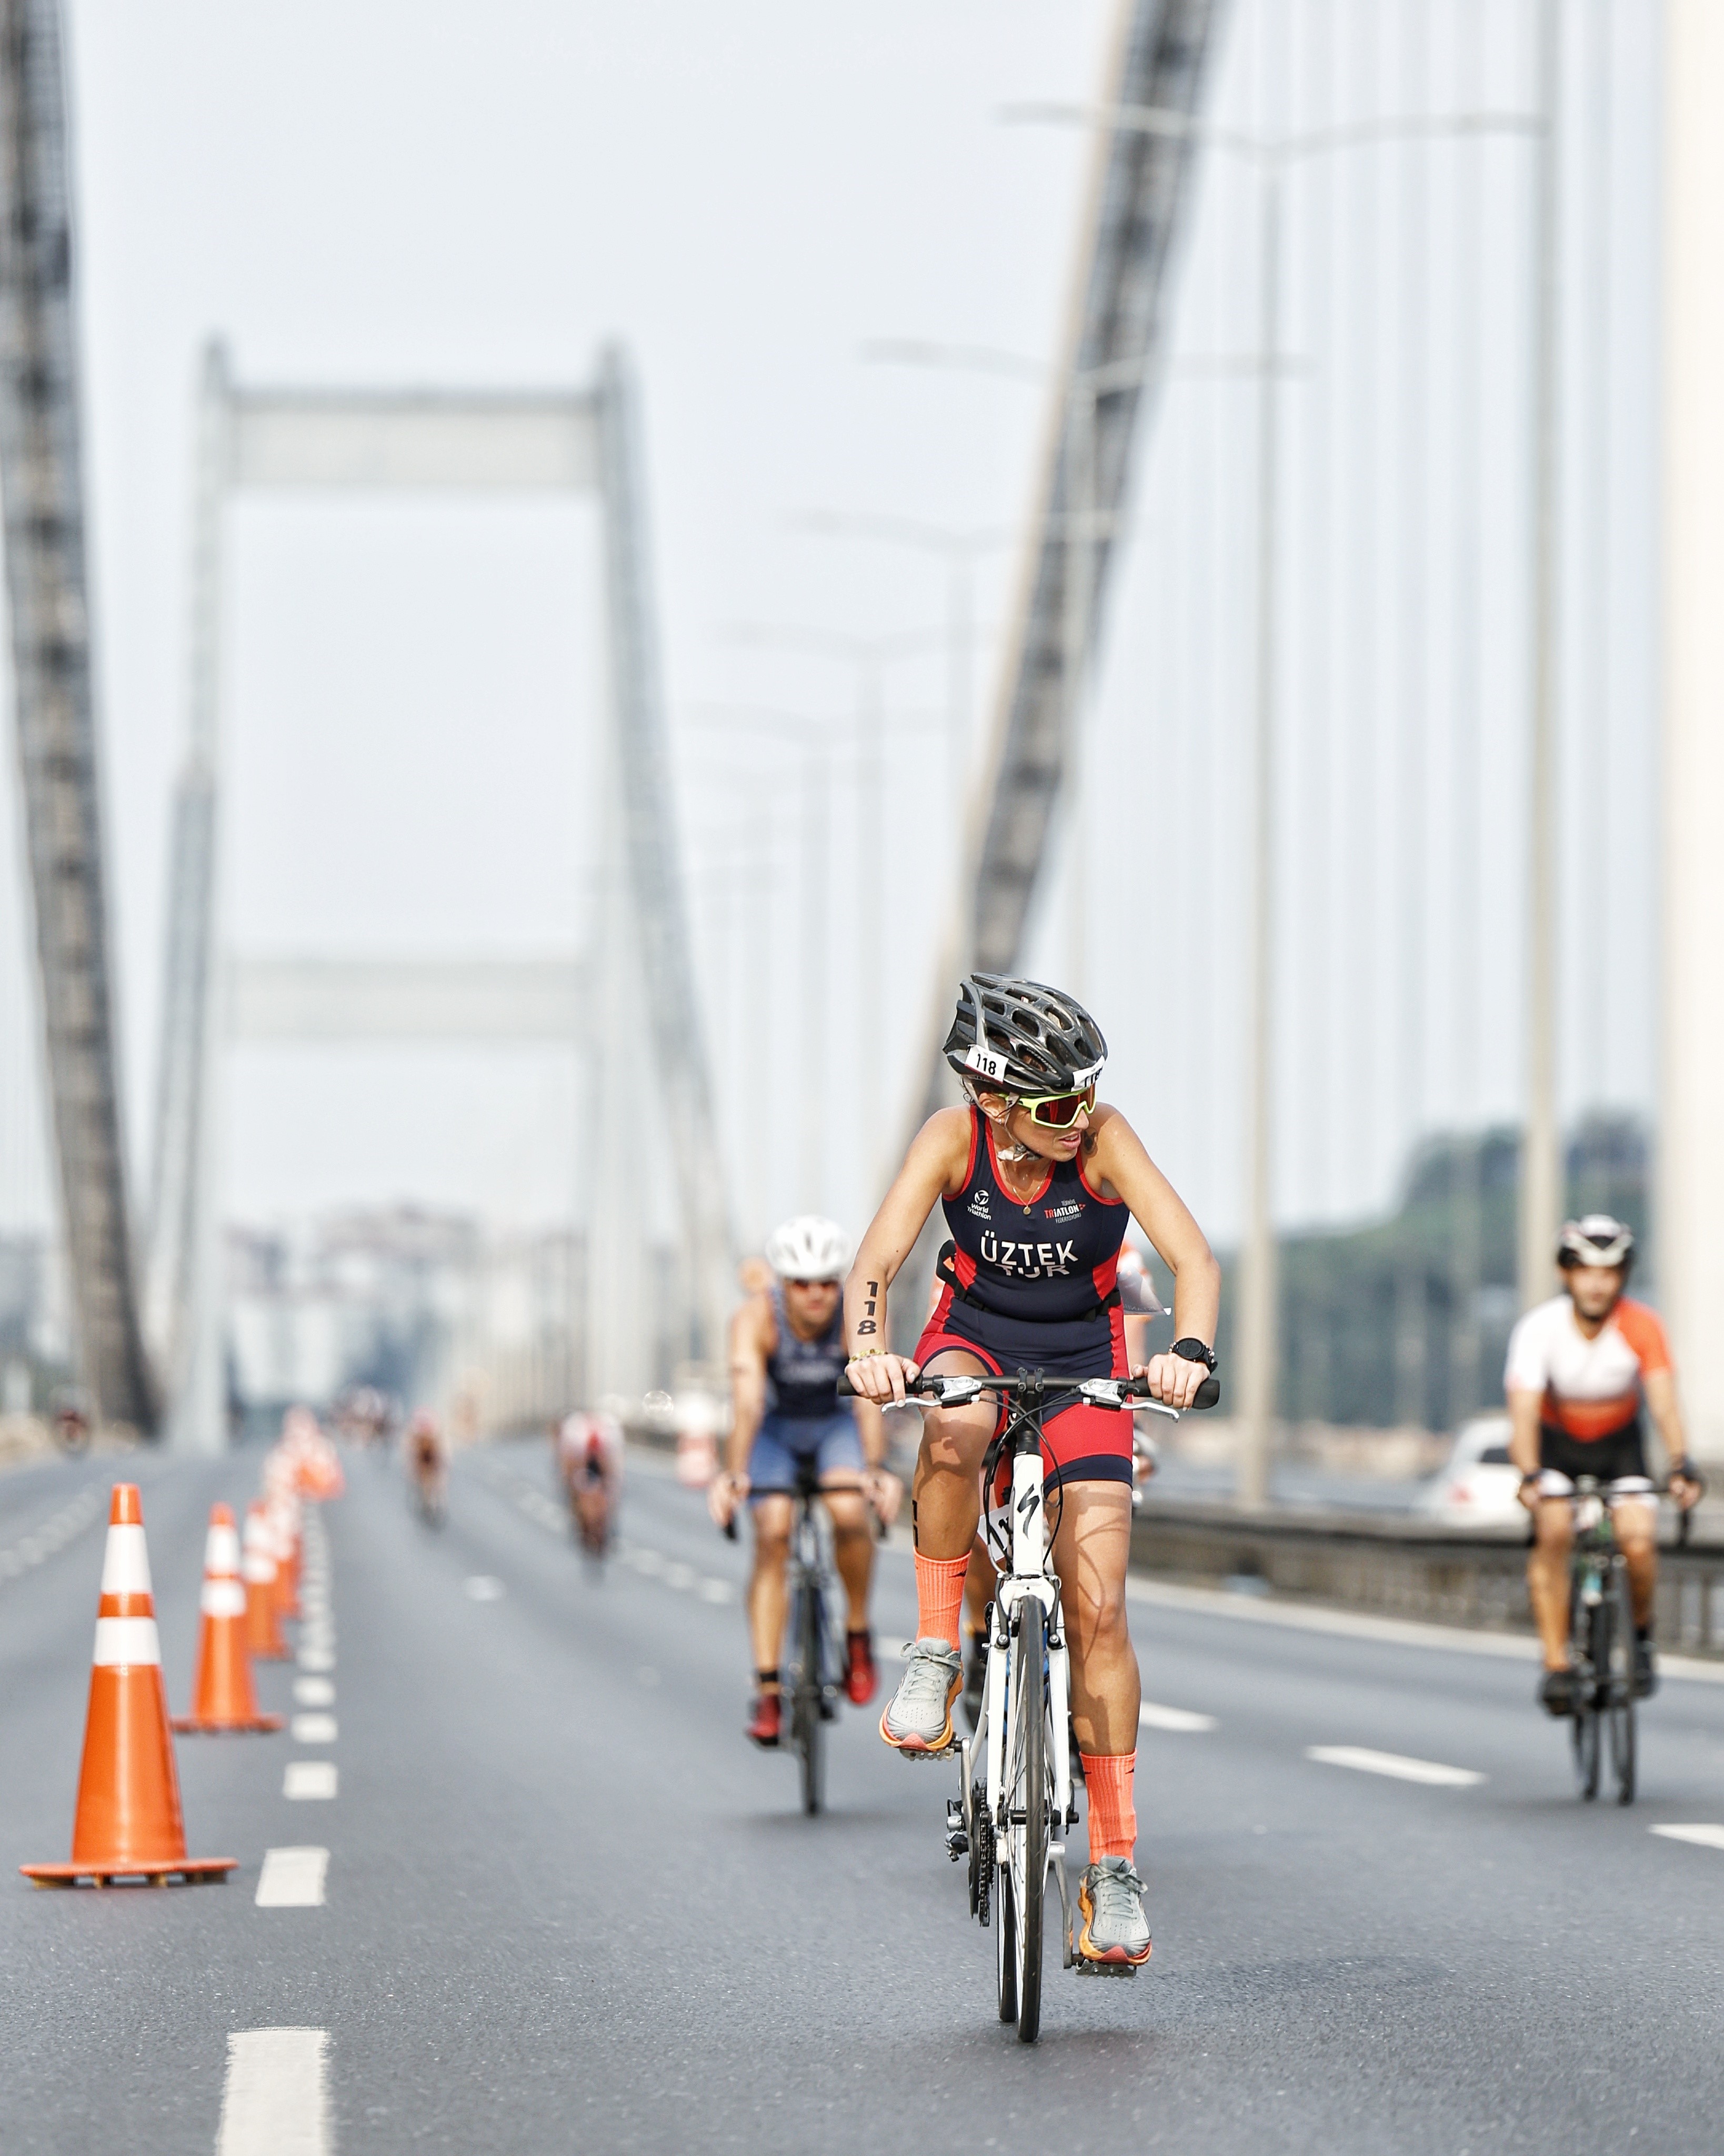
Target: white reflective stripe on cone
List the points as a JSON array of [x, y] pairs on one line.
[[259, 1570], [125, 1562], [221, 1551], [222, 1598], [125, 1642]]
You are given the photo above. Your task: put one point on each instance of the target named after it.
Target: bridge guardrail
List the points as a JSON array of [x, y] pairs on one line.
[[1401, 1568]]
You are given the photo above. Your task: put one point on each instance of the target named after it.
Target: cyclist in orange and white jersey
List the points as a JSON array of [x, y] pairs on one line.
[[1580, 1366]]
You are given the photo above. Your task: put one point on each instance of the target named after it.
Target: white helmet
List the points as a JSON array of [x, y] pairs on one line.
[[1598, 1239], [809, 1249]]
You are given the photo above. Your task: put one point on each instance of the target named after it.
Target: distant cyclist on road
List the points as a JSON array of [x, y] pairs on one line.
[[1038, 1181], [1579, 1368], [426, 1465], [589, 1459], [786, 1355]]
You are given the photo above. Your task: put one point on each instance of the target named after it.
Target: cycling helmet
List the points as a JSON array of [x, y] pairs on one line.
[[1027, 1039], [809, 1249], [1596, 1239]]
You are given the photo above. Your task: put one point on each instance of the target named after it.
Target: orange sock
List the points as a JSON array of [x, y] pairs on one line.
[[1113, 1816], [940, 1596]]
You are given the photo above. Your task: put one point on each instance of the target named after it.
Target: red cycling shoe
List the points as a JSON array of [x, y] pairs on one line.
[[767, 1723], [861, 1680]]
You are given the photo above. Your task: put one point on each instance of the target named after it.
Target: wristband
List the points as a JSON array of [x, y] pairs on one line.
[[1536, 1475], [863, 1356]]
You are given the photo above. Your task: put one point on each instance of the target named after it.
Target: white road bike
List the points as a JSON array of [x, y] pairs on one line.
[[1016, 1802]]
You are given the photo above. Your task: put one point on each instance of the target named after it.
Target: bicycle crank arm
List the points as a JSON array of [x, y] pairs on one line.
[[1064, 1886]]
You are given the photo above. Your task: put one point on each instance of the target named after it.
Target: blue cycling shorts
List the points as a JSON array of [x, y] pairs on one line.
[[783, 1443]]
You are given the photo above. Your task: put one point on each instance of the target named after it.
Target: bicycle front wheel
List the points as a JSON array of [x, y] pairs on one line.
[[1029, 1796], [1592, 1640], [1621, 1709], [807, 1723]]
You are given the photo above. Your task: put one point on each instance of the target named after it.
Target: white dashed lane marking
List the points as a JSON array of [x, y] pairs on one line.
[[1367, 1762], [1179, 1718], [313, 1692], [482, 1588], [651, 1564], [53, 1534], [275, 2100], [292, 1879], [313, 1729], [1703, 1837], [307, 1779]]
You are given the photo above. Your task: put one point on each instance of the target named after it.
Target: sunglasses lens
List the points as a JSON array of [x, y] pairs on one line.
[[1064, 1111]]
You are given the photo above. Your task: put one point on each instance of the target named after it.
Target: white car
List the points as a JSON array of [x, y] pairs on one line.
[[1476, 1485]]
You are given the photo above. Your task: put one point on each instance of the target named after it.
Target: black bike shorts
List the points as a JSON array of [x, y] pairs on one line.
[[1618, 1454]]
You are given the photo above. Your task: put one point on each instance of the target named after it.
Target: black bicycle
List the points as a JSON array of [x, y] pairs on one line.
[[814, 1672], [1601, 1633]]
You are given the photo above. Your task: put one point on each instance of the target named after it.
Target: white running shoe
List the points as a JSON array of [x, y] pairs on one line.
[[918, 1716], [1115, 1927]]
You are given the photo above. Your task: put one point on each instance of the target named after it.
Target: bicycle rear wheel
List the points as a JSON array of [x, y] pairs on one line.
[[1029, 1791], [1005, 1942], [1621, 1711]]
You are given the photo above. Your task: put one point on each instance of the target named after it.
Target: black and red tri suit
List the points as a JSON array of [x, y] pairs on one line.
[[1030, 1284]]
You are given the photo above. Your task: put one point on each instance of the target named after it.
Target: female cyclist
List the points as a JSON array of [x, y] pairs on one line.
[[1038, 1180]]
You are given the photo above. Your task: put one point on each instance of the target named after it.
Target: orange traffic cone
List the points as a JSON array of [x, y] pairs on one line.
[[283, 1526], [222, 1694], [263, 1629], [127, 1824]]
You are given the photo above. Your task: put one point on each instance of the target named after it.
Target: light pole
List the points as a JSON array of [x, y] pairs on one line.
[[959, 549], [811, 738], [1271, 156], [869, 655], [740, 884], [1083, 528]]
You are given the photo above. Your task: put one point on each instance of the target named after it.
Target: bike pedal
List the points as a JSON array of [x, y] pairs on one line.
[[1088, 1968]]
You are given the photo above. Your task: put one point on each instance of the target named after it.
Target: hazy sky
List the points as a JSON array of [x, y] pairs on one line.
[[392, 194], [428, 194]]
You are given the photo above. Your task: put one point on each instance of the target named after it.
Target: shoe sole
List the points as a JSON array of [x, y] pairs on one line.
[[1106, 1957], [914, 1747]]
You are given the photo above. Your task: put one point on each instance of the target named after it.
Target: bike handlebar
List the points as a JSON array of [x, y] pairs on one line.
[[954, 1390]]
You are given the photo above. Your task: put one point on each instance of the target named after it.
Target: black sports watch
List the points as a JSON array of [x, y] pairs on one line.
[[1189, 1350]]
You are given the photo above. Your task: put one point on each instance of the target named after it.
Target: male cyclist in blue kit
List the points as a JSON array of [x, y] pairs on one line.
[[786, 1356], [1038, 1180]]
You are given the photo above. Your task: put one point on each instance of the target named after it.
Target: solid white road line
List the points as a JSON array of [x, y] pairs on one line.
[[1395, 1631], [1391, 1763], [309, 1778], [313, 1692], [1705, 1837], [313, 1729], [292, 1879], [1151, 1717], [276, 2102]]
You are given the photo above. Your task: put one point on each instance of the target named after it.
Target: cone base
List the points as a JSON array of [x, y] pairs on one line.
[[188, 1725], [189, 1869]]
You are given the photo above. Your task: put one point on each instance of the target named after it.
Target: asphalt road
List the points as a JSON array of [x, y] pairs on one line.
[[566, 1906]]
